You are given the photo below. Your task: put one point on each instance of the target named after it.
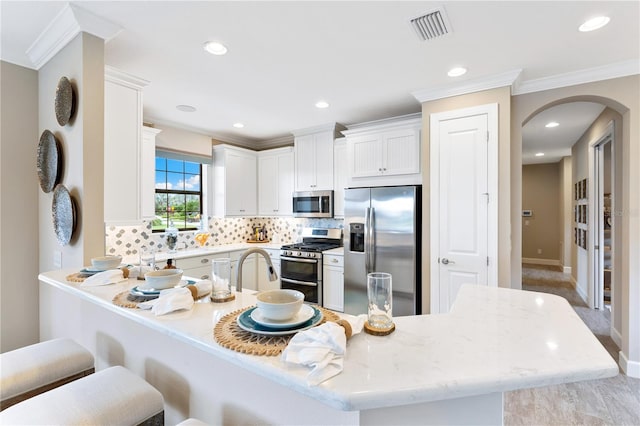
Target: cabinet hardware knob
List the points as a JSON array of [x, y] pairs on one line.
[[204, 260], [204, 277], [334, 260]]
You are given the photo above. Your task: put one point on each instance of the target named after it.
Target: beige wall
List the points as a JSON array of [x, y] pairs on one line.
[[620, 94], [18, 207], [566, 214], [500, 96], [82, 141], [183, 141], [541, 187]]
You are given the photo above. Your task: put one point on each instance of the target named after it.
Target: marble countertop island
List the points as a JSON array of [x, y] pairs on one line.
[[433, 368]]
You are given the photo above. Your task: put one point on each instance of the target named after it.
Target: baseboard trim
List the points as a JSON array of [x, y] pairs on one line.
[[534, 261], [581, 292], [616, 336], [566, 269], [574, 283], [630, 368]]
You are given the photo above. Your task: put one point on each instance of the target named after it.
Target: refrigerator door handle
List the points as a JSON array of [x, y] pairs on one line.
[[367, 226], [372, 239]]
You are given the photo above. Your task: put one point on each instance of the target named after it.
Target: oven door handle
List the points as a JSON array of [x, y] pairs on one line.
[[307, 283], [298, 259]]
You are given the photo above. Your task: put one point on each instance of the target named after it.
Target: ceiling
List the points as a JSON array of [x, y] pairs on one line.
[[362, 57]]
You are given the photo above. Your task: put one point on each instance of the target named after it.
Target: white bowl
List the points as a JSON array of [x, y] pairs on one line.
[[164, 278], [106, 262], [280, 305]]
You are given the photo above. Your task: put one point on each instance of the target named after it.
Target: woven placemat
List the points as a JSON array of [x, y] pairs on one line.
[[76, 277], [228, 334], [127, 300]]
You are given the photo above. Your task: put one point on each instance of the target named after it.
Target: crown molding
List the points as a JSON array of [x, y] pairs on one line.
[[282, 141], [123, 78], [67, 24], [589, 75], [414, 119], [470, 86], [334, 127]]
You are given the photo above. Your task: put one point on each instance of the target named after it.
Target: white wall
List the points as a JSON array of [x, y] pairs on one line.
[[18, 207], [82, 141]]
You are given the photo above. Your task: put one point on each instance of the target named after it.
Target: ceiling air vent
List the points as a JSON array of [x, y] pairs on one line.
[[431, 25]]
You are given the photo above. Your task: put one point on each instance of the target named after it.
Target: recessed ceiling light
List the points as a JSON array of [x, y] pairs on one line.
[[238, 125], [322, 104], [540, 154], [215, 48], [185, 108], [457, 72], [594, 23], [552, 124]]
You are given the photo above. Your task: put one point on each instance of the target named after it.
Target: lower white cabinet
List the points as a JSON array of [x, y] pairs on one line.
[[198, 266], [333, 282]]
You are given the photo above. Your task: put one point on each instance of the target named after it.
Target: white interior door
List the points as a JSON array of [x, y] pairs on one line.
[[461, 216]]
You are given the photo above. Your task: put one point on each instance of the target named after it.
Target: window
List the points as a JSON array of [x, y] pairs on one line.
[[178, 194]]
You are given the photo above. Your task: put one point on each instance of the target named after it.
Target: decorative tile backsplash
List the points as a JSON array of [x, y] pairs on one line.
[[127, 240]]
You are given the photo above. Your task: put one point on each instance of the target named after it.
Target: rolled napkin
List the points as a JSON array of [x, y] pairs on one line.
[[170, 300], [200, 288], [322, 348], [112, 276]]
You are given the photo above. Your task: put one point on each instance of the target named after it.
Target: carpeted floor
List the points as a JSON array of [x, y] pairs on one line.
[[614, 401]]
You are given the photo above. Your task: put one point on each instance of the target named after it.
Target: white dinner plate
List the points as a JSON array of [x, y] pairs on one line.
[[246, 323], [304, 314], [139, 291]]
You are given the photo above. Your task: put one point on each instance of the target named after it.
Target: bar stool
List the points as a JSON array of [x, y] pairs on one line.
[[34, 369], [114, 396]]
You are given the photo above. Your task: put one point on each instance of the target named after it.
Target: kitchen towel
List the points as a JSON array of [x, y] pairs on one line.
[[322, 348], [172, 299], [111, 276]]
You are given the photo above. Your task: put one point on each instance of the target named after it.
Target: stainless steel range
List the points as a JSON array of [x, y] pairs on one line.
[[301, 263]]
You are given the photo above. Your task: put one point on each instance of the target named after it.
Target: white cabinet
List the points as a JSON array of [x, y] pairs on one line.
[[314, 158], [123, 148], [249, 266], [275, 182], [198, 266], [386, 152], [263, 279], [148, 172], [333, 282], [234, 181], [339, 176]]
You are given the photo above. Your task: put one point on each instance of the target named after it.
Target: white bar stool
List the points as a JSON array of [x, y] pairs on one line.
[[31, 370], [114, 396]]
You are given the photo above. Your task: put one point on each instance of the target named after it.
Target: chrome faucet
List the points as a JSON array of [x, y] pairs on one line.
[[271, 272]]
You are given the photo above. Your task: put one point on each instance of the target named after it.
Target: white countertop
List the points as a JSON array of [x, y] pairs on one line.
[[338, 251], [494, 340]]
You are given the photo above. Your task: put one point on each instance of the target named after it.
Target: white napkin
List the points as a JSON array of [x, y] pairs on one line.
[[322, 348], [172, 299], [111, 276]]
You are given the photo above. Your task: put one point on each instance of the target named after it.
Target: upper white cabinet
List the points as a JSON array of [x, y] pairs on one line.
[[385, 152], [339, 176], [125, 156], [275, 182], [314, 158], [148, 172], [234, 181]]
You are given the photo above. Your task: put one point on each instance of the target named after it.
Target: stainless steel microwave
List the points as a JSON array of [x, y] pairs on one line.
[[313, 204]]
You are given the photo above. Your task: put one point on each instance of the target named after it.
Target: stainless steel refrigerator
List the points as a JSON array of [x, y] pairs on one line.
[[382, 233]]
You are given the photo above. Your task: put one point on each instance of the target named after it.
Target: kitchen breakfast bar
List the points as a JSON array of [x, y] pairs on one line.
[[434, 369]]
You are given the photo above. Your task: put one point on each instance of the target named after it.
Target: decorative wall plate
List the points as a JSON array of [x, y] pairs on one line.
[[64, 101], [63, 211], [49, 160]]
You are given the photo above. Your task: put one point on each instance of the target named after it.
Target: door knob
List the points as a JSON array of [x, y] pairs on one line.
[[446, 261]]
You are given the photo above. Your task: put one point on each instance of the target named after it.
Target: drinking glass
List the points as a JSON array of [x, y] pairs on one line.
[[147, 261], [379, 293], [221, 278]]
